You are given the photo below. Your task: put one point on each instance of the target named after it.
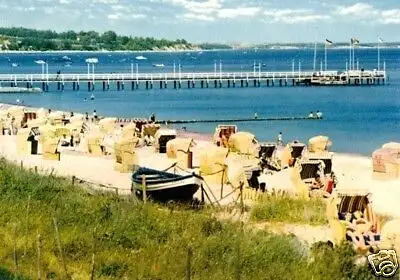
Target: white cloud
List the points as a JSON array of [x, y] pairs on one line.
[[120, 16], [233, 13], [193, 16], [105, 1], [292, 16], [206, 7], [367, 13], [390, 16], [358, 9]]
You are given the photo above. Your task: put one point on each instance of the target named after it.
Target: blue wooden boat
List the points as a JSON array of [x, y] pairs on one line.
[[165, 186]]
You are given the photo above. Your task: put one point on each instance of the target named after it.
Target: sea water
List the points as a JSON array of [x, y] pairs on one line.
[[358, 119]]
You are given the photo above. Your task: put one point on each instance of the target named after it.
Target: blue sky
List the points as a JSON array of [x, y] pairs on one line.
[[228, 21]]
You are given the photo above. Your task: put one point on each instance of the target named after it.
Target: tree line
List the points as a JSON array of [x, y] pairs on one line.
[[19, 38]]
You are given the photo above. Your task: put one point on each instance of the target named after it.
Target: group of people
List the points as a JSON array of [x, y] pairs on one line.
[[316, 115]]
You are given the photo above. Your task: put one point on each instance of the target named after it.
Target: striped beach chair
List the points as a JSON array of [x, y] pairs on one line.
[[345, 205]]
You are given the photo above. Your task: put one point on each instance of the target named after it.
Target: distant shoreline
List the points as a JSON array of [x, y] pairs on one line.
[[272, 48]]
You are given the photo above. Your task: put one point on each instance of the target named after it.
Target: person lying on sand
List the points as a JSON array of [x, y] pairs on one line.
[[359, 230]]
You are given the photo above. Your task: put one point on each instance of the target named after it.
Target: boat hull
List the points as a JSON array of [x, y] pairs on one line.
[[179, 188]]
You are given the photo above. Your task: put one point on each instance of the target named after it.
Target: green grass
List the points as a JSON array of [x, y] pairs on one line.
[[136, 241], [283, 208]]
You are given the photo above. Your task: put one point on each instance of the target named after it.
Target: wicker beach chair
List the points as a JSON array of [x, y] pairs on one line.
[[345, 205], [162, 137], [223, 133], [125, 155]]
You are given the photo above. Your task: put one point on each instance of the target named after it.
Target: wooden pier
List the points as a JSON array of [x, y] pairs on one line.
[[135, 81]]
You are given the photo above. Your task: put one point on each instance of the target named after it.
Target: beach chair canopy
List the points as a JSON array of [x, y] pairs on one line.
[[351, 202], [212, 159], [296, 149], [386, 160], [392, 145], [319, 144], [179, 144], [267, 150], [129, 130], [224, 130], [310, 169], [325, 157], [165, 132], [244, 142], [151, 129]]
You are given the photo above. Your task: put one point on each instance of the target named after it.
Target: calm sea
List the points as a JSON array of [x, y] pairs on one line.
[[358, 119]]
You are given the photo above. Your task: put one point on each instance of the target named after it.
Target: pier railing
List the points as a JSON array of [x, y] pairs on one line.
[[67, 77]]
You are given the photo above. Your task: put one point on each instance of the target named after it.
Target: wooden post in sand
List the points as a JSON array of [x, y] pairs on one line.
[[241, 198], [144, 189], [73, 180], [22, 165], [36, 169], [189, 264]]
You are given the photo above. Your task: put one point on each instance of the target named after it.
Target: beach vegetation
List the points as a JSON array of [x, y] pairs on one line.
[[57, 230], [289, 209]]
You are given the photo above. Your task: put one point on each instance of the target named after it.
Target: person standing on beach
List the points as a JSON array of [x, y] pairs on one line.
[[153, 118], [94, 115], [280, 139]]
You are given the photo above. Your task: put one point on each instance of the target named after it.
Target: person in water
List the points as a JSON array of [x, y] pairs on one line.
[[255, 116], [311, 115], [318, 114]]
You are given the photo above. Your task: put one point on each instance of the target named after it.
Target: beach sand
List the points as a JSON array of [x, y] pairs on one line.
[[353, 172]]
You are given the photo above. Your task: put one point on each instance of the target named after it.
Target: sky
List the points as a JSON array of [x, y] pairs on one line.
[[224, 21]]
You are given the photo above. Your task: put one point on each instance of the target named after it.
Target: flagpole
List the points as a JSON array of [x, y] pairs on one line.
[[350, 56], [315, 55], [379, 55], [326, 63], [354, 59]]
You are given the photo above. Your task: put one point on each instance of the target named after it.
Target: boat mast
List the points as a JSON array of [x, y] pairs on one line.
[[315, 55]]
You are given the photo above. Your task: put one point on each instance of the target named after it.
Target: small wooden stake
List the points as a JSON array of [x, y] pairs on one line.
[[59, 247], [22, 165], [39, 264], [36, 170], [241, 198], [189, 264], [15, 249], [73, 180], [144, 189]]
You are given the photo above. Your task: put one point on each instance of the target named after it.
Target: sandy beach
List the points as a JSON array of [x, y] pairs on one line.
[[354, 172]]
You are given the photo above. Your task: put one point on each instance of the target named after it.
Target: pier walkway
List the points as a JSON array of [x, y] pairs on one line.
[[134, 81]]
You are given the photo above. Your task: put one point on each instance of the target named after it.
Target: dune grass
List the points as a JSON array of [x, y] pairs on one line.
[[127, 240], [287, 209]]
